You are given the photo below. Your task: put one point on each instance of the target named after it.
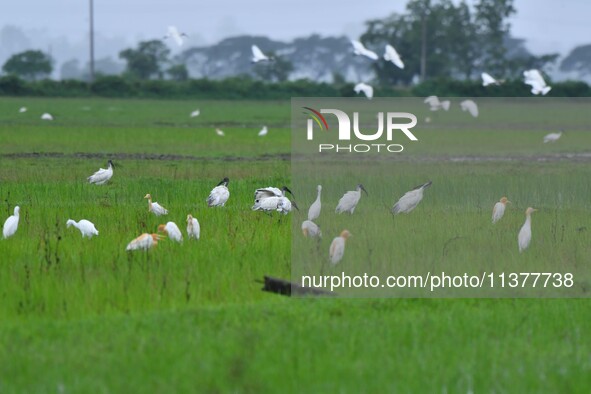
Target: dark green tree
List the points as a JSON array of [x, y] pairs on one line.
[[29, 65], [276, 70], [178, 72], [493, 28], [147, 61]]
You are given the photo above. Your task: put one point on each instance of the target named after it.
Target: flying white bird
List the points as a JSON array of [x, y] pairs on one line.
[[172, 230], [143, 242], [360, 50], [524, 237], [174, 33], [195, 113], [263, 131], [488, 80], [258, 55], [552, 137], [102, 176], [22, 110], [536, 81], [392, 56], [11, 224], [470, 106], [499, 209], [154, 207], [193, 228], [365, 88], [311, 229], [314, 210], [86, 228], [220, 132], [436, 105], [46, 116], [350, 199], [219, 195], [337, 247], [410, 200]]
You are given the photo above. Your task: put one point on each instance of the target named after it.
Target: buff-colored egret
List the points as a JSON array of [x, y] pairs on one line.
[[360, 50], [552, 137], [470, 106], [86, 227], [499, 209], [154, 207], [143, 242], [172, 230], [410, 200], [535, 79], [337, 247], [193, 228], [350, 199], [219, 195], [390, 55], [487, 79], [311, 229], [365, 88], [263, 131], [11, 224], [102, 176], [524, 237], [314, 211]]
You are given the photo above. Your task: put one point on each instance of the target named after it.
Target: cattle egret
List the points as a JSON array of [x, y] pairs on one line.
[[46, 116], [219, 195], [22, 110], [195, 113], [392, 56], [524, 237], [536, 81], [337, 247], [154, 207], [311, 229], [552, 137], [470, 106], [172, 230], [488, 80], [263, 131], [174, 33], [435, 104], [258, 55], [86, 228], [350, 199], [410, 200], [365, 88], [360, 50], [499, 209], [314, 210], [11, 224], [193, 228], [143, 242], [102, 176], [220, 132]]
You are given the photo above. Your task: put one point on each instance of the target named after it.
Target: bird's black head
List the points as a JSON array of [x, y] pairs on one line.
[[286, 189], [224, 182], [110, 162], [360, 187]]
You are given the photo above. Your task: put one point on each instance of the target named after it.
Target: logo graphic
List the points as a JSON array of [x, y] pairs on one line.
[[317, 116]]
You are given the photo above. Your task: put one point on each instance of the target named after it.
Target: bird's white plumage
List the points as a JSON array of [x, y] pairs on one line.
[[487, 79], [193, 228], [535, 79], [263, 131], [102, 176], [314, 210], [143, 242], [337, 247], [552, 137], [360, 50], [220, 132], [22, 110], [195, 113], [499, 210], [470, 106], [11, 224], [86, 227], [173, 231], [155, 208], [46, 116], [311, 229], [365, 88], [266, 192], [280, 204], [258, 55], [218, 196], [391, 55], [435, 104], [524, 236], [349, 201], [410, 200], [177, 36]]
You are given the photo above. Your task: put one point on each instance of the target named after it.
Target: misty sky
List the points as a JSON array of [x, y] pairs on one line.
[[548, 25]]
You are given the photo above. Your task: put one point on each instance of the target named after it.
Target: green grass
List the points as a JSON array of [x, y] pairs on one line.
[[85, 316]]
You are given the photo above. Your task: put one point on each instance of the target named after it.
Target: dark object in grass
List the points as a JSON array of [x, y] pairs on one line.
[[287, 288]]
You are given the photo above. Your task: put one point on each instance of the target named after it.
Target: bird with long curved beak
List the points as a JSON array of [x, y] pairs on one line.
[[350, 199], [219, 195]]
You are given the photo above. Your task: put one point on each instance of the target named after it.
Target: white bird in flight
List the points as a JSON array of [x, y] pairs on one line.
[[470, 106], [143, 242], [314, 211], [311, 229], [552, 137], [487, 79], [499, 209], [172, 230], [46, 116], [365, 88], [195, 113], [11, 224], [22, 110], [360, 50], [536, 81], [524, 237], [435, 104], [174, 33], [102, 176], [410, 200], [391, 55], [219, 195], [258, 55], [220, 132], [350, 199], [86, 227], [193, 228], [154, 207], [337, 247], [263, 131]]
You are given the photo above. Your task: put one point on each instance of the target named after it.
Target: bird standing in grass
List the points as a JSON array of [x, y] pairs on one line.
[[46, 116], [337, 247], [172, 230], [143, 242], [220, 132], [219, 195], [499, 209], [102, 176], [154, 207], [263, 131], [311, 229], [193, 228], [314, 211], [86, 227], [410, 200], [552, 137], [524, 237], [350, 199], [11, 224]]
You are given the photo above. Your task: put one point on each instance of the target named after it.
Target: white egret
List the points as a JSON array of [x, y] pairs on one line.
[[487, 79], [22, 110], [195, 113], [435, 104], [46, 116], [524, 237], [11, 224], [314, 210], [499, 209], [391, 55], [143, 242], [219, 195], [102, 176], [263, 131], [535, 79], [86, 227], [350, 199], [410, 200], [193, 228], [365, 88], [552, 137], [177, 36], [172, 230], [258, 55], [337, 247], [154, 207], [470, 106], [220, 132], [311, 229], [360, 50]]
